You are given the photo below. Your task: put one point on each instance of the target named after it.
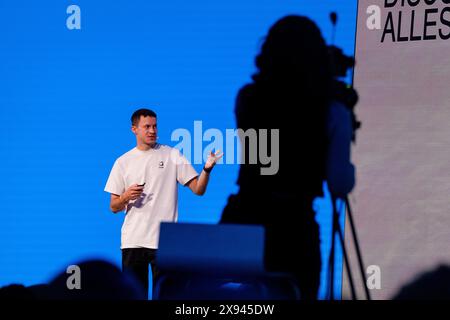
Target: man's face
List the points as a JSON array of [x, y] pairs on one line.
[[146, 131]]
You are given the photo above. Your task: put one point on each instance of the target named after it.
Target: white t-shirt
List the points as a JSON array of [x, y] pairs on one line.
[[160, 168]]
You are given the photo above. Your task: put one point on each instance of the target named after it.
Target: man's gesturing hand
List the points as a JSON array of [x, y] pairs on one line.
[[213, 158], [132, 192]]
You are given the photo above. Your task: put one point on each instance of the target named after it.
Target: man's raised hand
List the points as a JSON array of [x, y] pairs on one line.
[[213, 158]]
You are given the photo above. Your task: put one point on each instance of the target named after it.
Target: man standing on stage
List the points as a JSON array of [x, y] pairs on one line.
[[143, 183]]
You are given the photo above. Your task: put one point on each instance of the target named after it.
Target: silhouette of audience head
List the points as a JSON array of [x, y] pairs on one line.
[[99, 280], [16, 292], [430, 285]]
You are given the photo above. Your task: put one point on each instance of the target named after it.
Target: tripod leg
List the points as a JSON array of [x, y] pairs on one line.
[[336, 230], [358, 250], [331, 265], [346, 259]]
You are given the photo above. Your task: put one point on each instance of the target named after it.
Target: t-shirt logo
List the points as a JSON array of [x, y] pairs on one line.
[[161, 165]]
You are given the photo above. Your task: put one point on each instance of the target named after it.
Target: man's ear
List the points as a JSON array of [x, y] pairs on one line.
[[134, 129]]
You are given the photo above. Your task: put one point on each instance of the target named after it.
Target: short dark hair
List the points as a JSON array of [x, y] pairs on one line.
[[141, 112]]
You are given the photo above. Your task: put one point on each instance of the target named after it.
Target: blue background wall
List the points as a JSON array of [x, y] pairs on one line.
[[66, 97]]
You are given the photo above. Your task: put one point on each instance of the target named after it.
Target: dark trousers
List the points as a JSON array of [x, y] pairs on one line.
[[136, 260]]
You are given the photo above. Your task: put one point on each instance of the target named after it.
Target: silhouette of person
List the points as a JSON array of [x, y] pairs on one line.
[[429, 285], [99, 280], [292, 91]]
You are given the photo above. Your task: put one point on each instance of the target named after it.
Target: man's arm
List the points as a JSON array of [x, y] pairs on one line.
[[198, 184], [119, 202]]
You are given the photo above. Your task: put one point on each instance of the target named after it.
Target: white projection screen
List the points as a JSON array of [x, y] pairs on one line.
[[401, 203]]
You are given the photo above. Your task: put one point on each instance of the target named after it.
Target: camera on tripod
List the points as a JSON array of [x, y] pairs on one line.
[[343, 93]]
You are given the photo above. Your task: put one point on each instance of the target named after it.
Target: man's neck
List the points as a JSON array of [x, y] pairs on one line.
[[145, 147]]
